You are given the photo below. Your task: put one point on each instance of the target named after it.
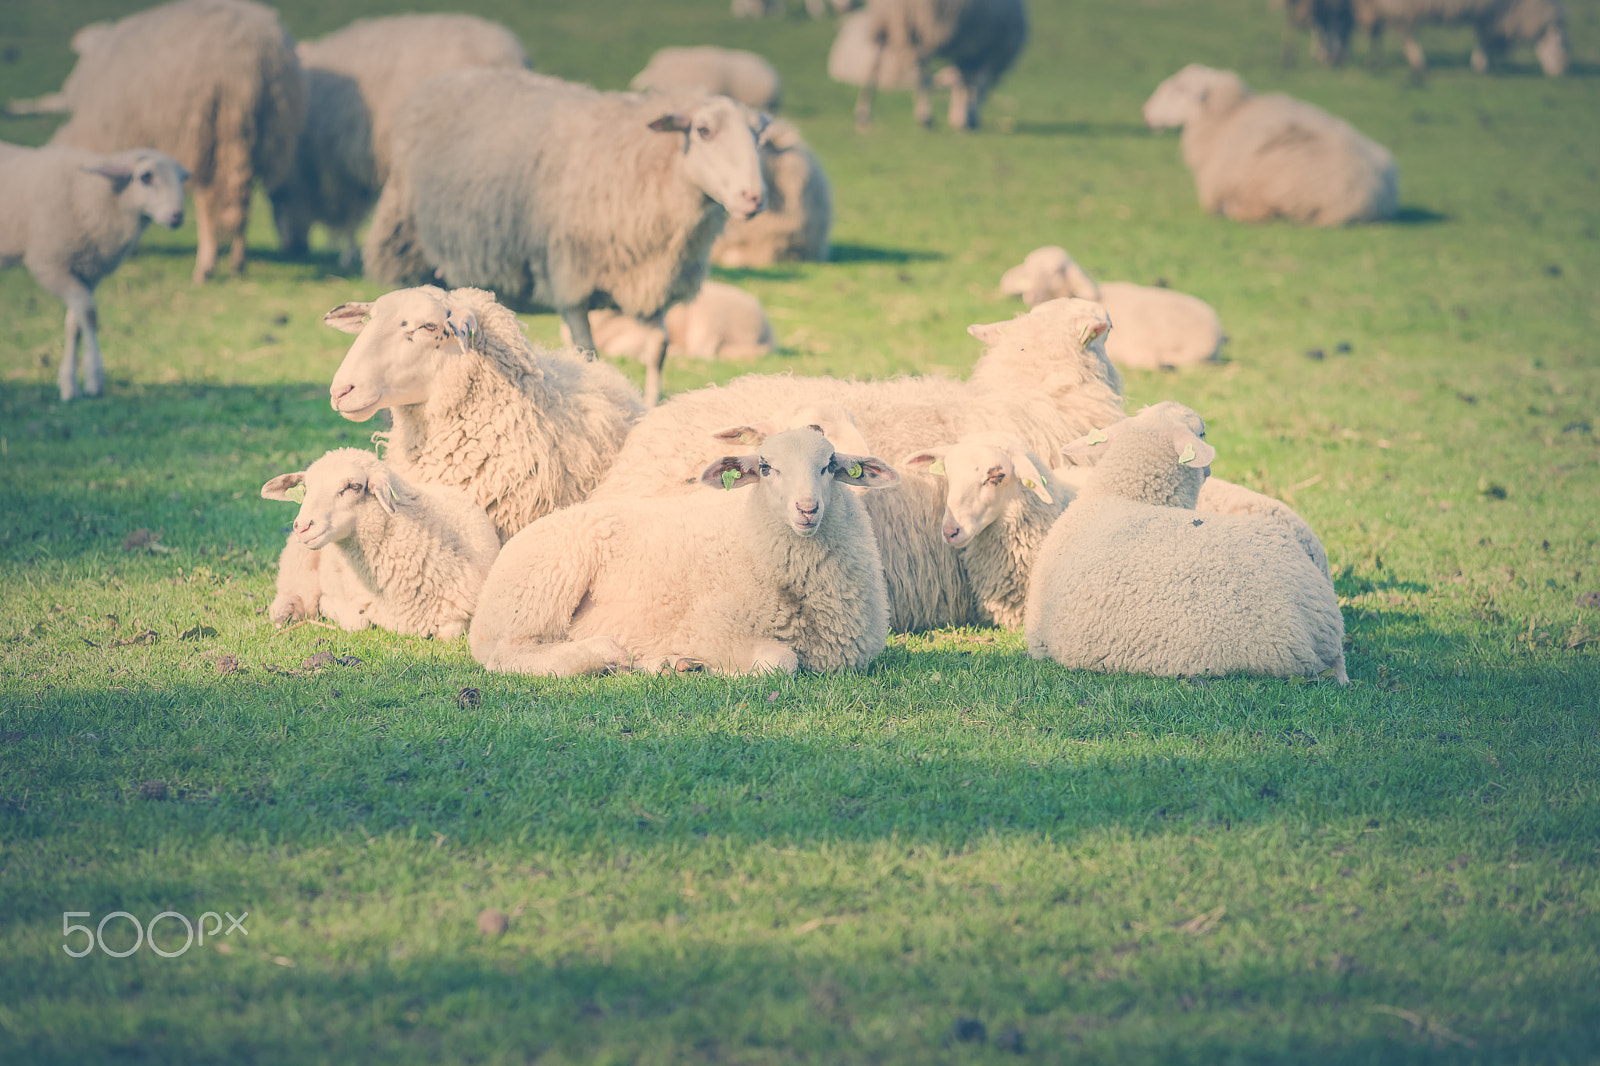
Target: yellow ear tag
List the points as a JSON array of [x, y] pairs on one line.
[[729, 477], [1188, 454], [297, 493], [749, 436], [855, 470], [1027, 483], [1097, 437], [937, 469]]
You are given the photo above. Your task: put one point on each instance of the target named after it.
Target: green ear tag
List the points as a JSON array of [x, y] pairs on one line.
[[937, 469], [729, 477], [392, 495], [1097, 437], [855, 470], [297, 493], [1042, 480], [1188, 454]]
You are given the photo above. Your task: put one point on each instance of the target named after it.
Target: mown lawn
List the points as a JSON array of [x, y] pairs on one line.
[[853, 869]]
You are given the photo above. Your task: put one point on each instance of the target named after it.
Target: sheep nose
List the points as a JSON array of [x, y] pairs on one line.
[[302, 525], [951, 529], [807, 507], [337, 393]]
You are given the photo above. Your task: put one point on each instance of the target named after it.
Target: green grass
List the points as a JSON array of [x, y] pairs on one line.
[[837, 869]]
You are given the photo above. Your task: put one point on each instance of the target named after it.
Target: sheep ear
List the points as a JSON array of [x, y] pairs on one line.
[[119, 174], [1091, 444], [988, 333], [864, 470], [929, 461], [280, 487], [183, 173], [752, 434], [1191, 450], [732, 472], [671, 123], [1032, 478], [382, 489], [462, 323], [348, 318], [1092, 332], [764, 130]]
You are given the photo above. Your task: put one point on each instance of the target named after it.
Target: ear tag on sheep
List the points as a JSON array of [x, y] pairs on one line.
[[296, 493], [855, 470], [729, 477], [936, 468], [1188, 454], [1100, 438], [1028, 482]]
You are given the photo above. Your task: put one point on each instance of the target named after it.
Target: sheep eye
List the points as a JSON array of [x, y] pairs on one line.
[[704, 131], [765, 470], [995, 477], [431, 327], [146, 178]]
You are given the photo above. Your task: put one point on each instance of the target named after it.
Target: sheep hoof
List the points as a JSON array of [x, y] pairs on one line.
[[686, 665], [282, 612]]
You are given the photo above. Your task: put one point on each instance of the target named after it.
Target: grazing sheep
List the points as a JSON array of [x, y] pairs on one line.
[[574, 198], [358, 77], [799, 213], [980, 38], [213, 83], [1261, 157], [1132, 578], [785, 578], [722, 322], [1044, 379], [1498, 24], [400, 555], [1155, 327], [851, 55], [1330, 23], [71, 217], [744, 76]]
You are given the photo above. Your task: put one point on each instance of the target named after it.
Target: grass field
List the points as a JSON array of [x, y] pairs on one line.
[[853, 869]]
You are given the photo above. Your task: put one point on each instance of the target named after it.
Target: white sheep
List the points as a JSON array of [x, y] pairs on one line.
[[831, 420], [386, 552], [744, 76], [784, 577], [722, 322], [1155, 327], [1261, 157], [71, 217], [358, 77], [1045, 379], [853, 51], [1132, 578], [980, 38], [213, 83], [799, 214], [1498, 24], [572, 197]]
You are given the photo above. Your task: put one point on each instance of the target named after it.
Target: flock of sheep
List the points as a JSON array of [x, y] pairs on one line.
[[537, 501]]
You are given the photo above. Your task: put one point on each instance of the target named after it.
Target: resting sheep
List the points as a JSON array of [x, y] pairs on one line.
[[71, 217], [1132, 578], [213, 83], [358, 77], [722, 322], [383, 551], [980, 38], [783, 577], [1260, 157], [572, 199], [799, 213], [744, 76], [1155, 327]]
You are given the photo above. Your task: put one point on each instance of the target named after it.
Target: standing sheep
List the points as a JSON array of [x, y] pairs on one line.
[[853, 52], [1131, 578], [980, 38], [1155, 327], [722, 322], [71, 217], [357, 78], [785, 578], [1260, 157], [213, 83], [573, 198], [1497, 23], [384, 551], [799, 213], [743, 76]]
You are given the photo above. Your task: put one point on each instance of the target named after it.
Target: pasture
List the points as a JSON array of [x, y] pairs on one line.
[[840, 869]]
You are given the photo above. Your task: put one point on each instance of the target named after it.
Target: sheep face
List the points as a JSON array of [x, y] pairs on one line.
[[796, 471], [1184, 95], [148, 181], [403, 339], [721, 152], [982, 478], [831, 420], [1047, 274], [334, 488]]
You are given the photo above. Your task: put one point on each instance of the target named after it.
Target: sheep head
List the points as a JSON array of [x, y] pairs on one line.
[[1155, 456], [332, 491], [796, 471], [984, 474], [403, 339], [721, 152], [1046, 274], [1193, 90], [146, 180]]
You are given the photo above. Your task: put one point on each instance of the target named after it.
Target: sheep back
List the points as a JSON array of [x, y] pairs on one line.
[[1155, 327], [745, 76]]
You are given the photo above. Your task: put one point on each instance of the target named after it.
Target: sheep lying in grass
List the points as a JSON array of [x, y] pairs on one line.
[[575, 198], [799, 214], [744, 76], [213, 83], [1132, 578], [383, 551], [1155, 327], [71, 217], [784, 577], [722, 322], [1260, 157], [980, 38]]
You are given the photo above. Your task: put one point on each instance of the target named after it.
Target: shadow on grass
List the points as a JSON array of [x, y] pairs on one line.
[[1083, 129], [1411, 215], [867, 253]]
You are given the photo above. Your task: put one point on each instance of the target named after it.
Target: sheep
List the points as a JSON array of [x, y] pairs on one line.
[[722, 322], [851, 55], [1330, 23], [1131, 578], [817, 9], [1155, 327], [831, 420], [400, 555], [785, 578], [980, 38], [1497, 23], [1045, 379], [1261, 157], [71, 217], [799, 213], [59, 103], [357, 79], [213, 83], [575, 197], [744, 76]]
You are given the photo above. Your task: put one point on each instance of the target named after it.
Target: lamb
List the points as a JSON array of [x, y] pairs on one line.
[[399, 555], [357, 79], [1044, 379], [1155, 327], [980, 38], [723, 322], [576, 197], [213, 83], [1131, 579], [71, 217], [785, 578], [744, 76], [1497, 23], [799, 213], [1260, 157]]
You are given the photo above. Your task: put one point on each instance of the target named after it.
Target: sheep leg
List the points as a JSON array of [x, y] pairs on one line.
[[82, 318], [922, 109], [772, 657], [654, 357], [576, 319], [566, 658], [869, 89], [236, 243], [205, 254], [299, 584], [1414, 54], [67, 378]]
